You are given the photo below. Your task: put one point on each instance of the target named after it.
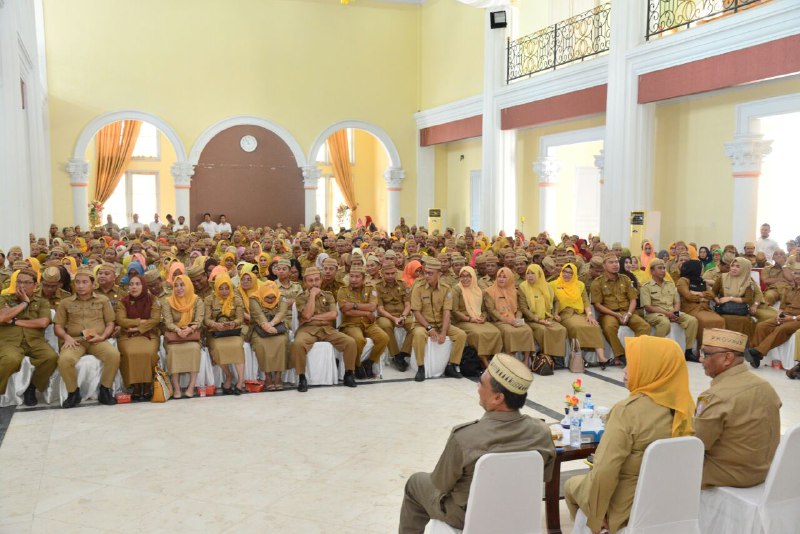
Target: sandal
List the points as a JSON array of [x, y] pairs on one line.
[[272, 387], [278, 387]]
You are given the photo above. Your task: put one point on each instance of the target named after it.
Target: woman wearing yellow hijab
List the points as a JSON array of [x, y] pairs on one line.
[[36, 267], [12, 285], [263, 260], [183, 316], [248, 286], [573, 311], [469, 314], [537, 309], [224, 318], [269, 341], [659, 406], [71, 265]]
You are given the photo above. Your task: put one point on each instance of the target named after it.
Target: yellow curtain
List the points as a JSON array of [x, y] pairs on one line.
[[115, 144], [340, 161]]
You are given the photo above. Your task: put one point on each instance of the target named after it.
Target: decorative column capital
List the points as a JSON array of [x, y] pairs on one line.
[[78, 170], [600, 165], [547, 168], [747, 152], [394, 177], [311, 175], [182, 172]]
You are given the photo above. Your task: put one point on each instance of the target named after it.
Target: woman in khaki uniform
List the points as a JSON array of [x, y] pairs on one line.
[[182, 312], [469, 314], [138, 316], [660, 406], [736, 286], [501, 301], [573, 310], [695, 296], [223, 319], [267, 311], [536, 303]]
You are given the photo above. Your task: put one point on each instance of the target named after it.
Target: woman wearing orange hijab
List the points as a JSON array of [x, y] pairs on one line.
[[648, 255], [412, 272], [269, 341], [183, 315], [659, 406], [502, 306], [224, 318]]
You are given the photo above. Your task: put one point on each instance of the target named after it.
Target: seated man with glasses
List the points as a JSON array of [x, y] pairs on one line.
[[23, 320], [738, 417]]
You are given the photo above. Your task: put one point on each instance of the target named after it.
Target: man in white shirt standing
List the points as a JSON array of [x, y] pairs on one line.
[[223, 225], [155, 226], [135, 225], [182, 224], [208, 226], [765, 244]]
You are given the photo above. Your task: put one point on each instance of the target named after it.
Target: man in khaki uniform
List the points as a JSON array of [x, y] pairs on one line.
[[289, 290], [447, 277], [358, 303], [155, 285], [394, 310], [200, 281], [316, 313], [738, 417], [51, 288], [662, 306], [773, 333], [330, 268], [443, 494], [23, 320], [491, 265], [615, 299], [432, 303], [309, 258], [774, 278], [106, 286], [593, 271], [84, 322]]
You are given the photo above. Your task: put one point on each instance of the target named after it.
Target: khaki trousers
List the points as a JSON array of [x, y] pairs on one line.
[[419, 338], [388, 327], [305, 338], [610, 326], [662, 326], [43, 358], [103, 351], [770, 334], [361, 333], [423, 502]]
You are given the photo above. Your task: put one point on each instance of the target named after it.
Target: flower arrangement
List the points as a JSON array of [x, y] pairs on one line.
[[570, 401], [95, 213], [577, 387], [343, 215]]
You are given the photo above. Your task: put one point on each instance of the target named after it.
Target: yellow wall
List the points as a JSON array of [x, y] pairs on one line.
[[458, 181], [166, 184], [451, 52], [693, 183], [303, 64]]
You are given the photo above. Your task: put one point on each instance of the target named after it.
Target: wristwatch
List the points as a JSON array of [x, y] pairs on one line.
[[429, 328], [355, 305], [14, 321]]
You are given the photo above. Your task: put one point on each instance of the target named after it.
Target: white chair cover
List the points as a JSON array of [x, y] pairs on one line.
[[785, 353], [771, 507], [505, 495], [17, 384], [89, 370], [436, 358], [251, 370], [206, 376], [667, 496], [320, 360]]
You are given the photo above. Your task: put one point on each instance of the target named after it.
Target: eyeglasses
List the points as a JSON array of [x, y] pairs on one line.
[[706, 354], [25, 283]]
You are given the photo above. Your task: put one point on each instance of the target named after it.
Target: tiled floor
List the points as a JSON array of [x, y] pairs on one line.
[[332, 460]]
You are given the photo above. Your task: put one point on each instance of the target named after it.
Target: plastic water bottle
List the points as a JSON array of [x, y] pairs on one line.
[[575, 428], [589, 403]]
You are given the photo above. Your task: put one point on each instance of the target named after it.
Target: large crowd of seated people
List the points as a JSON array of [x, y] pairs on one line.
[[219, 287]]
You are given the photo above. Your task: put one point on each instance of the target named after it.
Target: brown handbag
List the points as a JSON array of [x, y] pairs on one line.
[[576, 363], [172, 338]]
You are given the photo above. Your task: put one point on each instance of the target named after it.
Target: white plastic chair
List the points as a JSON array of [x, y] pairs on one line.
[[505, 496], [667, 496], [436, 358], [785, 353], [769, 508], [89, 370]]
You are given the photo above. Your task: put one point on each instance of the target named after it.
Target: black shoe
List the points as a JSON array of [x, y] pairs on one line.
[[29, 397], [690, 357], [369, 370], [237, 391], [623, 361], [755, 358], [420, 377], [302, 384], [361, 373], [349, 379], [106, 397], [794, 372], [400, 363], [73, 399], [227, 391], [403, 356], [451, 371]]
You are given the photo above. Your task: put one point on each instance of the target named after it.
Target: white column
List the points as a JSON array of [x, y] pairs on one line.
[[746, 152], [78, 170], [547, 168], [630, 129], [426, 184], [394, 177], [182, 172], [311, 174]]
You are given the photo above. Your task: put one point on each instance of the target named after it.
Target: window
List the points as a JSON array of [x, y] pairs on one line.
[[136, 192], [324, 155], [148, 144]]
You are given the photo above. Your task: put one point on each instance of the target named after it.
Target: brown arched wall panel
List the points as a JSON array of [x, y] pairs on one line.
[[259, 188]]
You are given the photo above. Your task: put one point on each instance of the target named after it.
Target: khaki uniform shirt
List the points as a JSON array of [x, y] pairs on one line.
[[324, 304], [213, 311], [448, 279], [75, 315], [204, 293], [366, 295], [775, 272], [662, 296], [431, 302], [495, 432], [15, 335], [56, 299], [587, 280], [5, 277], [306, 262], [115, 294], [332, 287], [290, 292], [393, 298], [615, 295], [738, 420], [790, 301], [485, 281]]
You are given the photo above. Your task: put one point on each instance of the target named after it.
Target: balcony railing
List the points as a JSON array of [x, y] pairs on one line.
[[574, 39], [665, 16]]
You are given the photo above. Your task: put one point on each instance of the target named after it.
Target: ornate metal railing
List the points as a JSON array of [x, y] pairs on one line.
[[668, 15], [574, 39]]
